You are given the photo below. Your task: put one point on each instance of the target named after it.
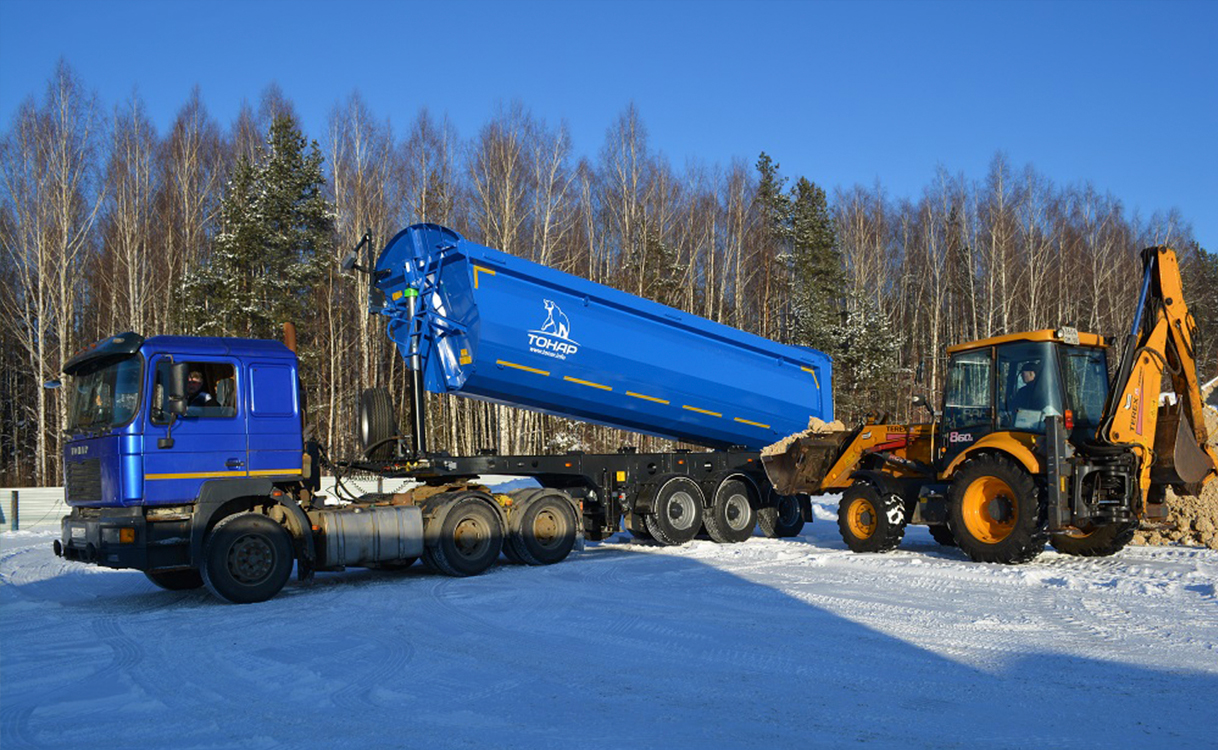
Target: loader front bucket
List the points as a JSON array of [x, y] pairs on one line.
[[798, 464], [1179, 460]]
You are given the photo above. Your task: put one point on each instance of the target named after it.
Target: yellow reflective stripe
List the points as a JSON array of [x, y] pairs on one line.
[[587, 383], [197, 475], [225, 474], [755, 424], [647, 398], [702, 411], [515, 366], [483, 270], [814, 378]]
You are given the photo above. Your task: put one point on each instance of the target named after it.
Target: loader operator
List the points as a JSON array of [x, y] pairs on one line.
[[1029, 397]]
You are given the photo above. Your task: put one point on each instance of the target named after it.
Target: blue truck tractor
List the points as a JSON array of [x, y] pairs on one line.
[[187, 456]]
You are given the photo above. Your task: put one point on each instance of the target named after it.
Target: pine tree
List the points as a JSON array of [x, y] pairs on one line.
[[275, 227], [817, 280]]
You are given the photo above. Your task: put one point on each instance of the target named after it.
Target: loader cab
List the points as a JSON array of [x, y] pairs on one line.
[[1011, 384]]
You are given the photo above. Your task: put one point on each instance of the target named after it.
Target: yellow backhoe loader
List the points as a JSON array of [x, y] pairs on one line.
[[1033, 441]]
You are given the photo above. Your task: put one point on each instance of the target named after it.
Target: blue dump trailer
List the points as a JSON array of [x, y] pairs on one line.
[[187, 457], [492, 326]]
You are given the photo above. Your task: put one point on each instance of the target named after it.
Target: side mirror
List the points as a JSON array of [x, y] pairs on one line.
[[51, 385], [920, 400], [178, 372]]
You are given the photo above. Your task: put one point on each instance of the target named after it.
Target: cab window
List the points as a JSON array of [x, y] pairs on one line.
[[966, 399], [210, 391]]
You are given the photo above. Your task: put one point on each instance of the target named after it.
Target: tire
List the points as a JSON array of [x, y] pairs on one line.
[[469, 539], [943, 535], [637, 526], [676, 516], [377, 424], [247, 558], [1102, 542], [731, 516], [544, 531], [870, 521], [781, 520], [995, 511], [176, 580]]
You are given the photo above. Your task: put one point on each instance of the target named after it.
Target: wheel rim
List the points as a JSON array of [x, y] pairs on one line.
[[989, 510], [471, 538], [251, 559], [861, 518], [736, 511], [547, 529], [681, 510]]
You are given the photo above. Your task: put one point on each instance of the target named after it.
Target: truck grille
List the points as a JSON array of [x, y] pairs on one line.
[[84, 481]]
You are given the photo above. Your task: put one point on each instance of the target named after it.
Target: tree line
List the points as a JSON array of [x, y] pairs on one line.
[[107, 225]]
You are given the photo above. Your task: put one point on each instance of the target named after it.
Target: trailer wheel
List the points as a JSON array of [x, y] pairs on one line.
[[943, 535], [731, 516], [870, 521], [1102, 542], [377, 425], [676, 516], [995, 511], [247, 558], [543, 532], [782, 519], [176, 580], [469, 541]]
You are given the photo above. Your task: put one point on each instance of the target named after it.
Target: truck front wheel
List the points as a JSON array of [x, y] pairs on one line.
[[247, 558]]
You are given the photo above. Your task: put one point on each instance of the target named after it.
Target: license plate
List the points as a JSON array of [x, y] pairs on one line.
[[78, 532]]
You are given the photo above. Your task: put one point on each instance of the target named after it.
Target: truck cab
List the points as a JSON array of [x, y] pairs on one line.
[[143, 450]]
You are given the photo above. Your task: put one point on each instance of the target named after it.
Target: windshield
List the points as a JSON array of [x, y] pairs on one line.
[[1086, 373], [105, 398]]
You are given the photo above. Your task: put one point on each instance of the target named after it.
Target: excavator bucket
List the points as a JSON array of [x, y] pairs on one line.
[[1179, 459], [798, 464]]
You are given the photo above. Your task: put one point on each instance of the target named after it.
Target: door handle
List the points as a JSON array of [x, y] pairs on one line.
[[234, 463]]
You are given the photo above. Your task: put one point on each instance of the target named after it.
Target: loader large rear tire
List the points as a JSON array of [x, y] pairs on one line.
[[1102, 542], [870, 521], [995, 511]]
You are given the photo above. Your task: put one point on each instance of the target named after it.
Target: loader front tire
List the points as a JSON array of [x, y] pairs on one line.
[[870, 521], [995, 511]]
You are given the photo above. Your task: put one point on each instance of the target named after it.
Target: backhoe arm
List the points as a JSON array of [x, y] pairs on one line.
[[1172, 440]]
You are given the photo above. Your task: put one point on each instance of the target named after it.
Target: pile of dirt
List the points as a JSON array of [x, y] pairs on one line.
[[816, 427], [1191, 521]]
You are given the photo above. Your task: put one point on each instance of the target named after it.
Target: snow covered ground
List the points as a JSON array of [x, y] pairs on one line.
[[769, 643]]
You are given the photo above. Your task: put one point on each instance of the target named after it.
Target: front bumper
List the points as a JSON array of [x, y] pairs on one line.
[[112, 537]]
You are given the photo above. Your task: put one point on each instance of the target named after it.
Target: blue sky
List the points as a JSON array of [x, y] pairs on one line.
[[1124, 94]]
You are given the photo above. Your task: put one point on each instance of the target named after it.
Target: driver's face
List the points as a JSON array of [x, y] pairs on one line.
[[1028, 376], [194, 383]]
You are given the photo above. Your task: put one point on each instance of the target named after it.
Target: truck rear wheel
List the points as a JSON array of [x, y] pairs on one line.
[[176, 580], [870, 521], [731, 516], [1101, 542], [637, 526], [995, 511], [782, 519], [676, 516], [469, 539], [247, 558], [543, 532]]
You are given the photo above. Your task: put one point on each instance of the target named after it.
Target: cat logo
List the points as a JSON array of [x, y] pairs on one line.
[[553, 339]]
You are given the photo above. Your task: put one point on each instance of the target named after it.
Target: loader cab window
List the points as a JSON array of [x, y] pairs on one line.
[[210, 391], [1029, 386], [1086, 375], [966, 399]]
